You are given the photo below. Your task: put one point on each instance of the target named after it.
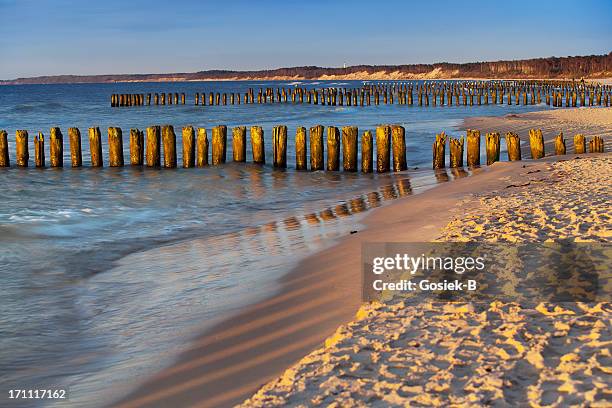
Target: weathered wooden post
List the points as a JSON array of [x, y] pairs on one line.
[[188, 141], [439, 151], [182, 98], [136, 147], [383, 152], [56, 147], [239, 143], [536, 143], [316, 148], [367, 152], [333, 148], [513, 145], [74, 136], [473, 147], [279, 146], [398, 136], [300, 149], [115, 147], [579, 144], [349, 148], [153, 146], [169, 146], [596, 145], [5, 160], [39, 150], [492, 147], [219, 144], [456, 151], [257, 145], [95, 147], [560, 144], [202, 148], [21, 148]]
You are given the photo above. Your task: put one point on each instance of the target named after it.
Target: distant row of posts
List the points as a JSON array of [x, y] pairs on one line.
[[553, 93], [390, 147]]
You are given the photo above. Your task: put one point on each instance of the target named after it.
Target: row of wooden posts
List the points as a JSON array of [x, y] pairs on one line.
[[390, 143], [421, 94], [513, 147]]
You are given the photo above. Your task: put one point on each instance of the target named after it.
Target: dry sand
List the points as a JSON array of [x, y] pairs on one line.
[[228, 363], [429, 354]]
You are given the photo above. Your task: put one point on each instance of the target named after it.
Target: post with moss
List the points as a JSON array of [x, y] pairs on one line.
[[74, 137], [95, 147], [536, 143], [5, 160], [56, 147], [188, 138], [257, 145], [115, 147], [367, 152], [279, 146], [136, 147], [316, 148], [492, 147], [455, 147], [349, 148], [439, 151], [560, 144], [513, 146], [39, 150], [333, 148], [473, 147], [300, 149], [21, 148], [239, 144], [383, 149], [398, 136], [153, 146], [169, 146], [202, 148], [579, 144]]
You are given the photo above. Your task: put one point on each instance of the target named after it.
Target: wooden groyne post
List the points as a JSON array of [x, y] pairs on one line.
[[115, 147], [279, 146], [579, 144], [316, 148], [383, 151], [492, 146], [219, 144], [455, 147], [95, 147], [439, 151], [21, 148], [257, 145], [152, 146], [5, 160], [536, 143], [56, 147], [188, 138], [333, 148], [239, 143], [39, 150], [513, 145], [202, 148], [367, 152], [349, 148], [74, 136], [300, 149], [596, 145], [398, 137], [473, 147], [560, 144], [136, 147], [169, 145]]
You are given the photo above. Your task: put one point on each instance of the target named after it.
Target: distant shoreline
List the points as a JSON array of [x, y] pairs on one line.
[[551, 68]]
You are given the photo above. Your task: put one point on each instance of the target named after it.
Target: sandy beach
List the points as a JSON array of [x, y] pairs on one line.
[[229, 363]]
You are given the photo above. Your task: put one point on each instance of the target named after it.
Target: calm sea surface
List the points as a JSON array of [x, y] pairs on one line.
[[107, 273]]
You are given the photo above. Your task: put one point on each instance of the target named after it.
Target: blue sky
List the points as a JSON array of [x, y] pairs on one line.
[[41, 37]]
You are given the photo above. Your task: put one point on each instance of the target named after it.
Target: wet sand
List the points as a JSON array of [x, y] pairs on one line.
[[228, 363]]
